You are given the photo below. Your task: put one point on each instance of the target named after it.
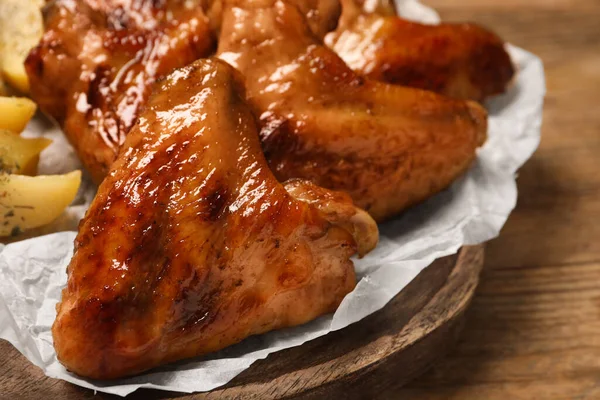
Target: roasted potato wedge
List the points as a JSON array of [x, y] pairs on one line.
[[29, 202], [21, 28], [15, 113], [20, 155]]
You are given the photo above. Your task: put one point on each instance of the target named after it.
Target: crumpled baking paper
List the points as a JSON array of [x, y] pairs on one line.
[[472, 211]]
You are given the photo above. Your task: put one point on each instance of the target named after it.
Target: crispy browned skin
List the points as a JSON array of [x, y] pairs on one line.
[[381, 7], [192, 245], [97, 60], [322, 15], [387, 146], [459, 60]]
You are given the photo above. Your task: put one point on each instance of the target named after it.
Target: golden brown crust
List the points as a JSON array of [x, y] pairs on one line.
[[387, 146], [464, 61], [191, 244], [322, 16], [95, 65]]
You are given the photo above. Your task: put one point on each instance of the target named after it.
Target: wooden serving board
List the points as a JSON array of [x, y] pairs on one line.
[[370, 359]]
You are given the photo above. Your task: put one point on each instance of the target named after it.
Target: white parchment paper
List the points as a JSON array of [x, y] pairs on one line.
[[472, 211]]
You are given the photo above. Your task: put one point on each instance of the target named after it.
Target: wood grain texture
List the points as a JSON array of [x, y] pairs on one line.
[[533, 330], [372, 357]]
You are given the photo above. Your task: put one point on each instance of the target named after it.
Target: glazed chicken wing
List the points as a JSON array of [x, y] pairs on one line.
[[97, 60], [387, 146], [459, 60], [322, 16], [191, 245]]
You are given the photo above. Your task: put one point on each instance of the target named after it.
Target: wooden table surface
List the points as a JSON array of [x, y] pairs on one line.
[[533, 331]]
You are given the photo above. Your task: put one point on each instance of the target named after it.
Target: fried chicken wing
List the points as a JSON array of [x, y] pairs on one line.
[[192, 245], [322, 16], [459, 60], [97, 60], [387, 146]]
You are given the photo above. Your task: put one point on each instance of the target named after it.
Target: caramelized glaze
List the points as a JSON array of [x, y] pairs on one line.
[[192, 245], [95, 65], [387, 146], [322, 16], [464, 61], [381, 7]]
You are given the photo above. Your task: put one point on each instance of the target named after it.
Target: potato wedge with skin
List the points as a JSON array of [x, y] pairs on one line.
[[20, 155], [21, 28], [28, 202], [15, 113]]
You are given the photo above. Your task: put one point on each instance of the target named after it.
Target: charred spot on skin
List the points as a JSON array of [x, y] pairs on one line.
[[277, 137], [199, 309], [216, 201], [165, 267], [35, 62], [249, 301], [99, 80], [16, 231]]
